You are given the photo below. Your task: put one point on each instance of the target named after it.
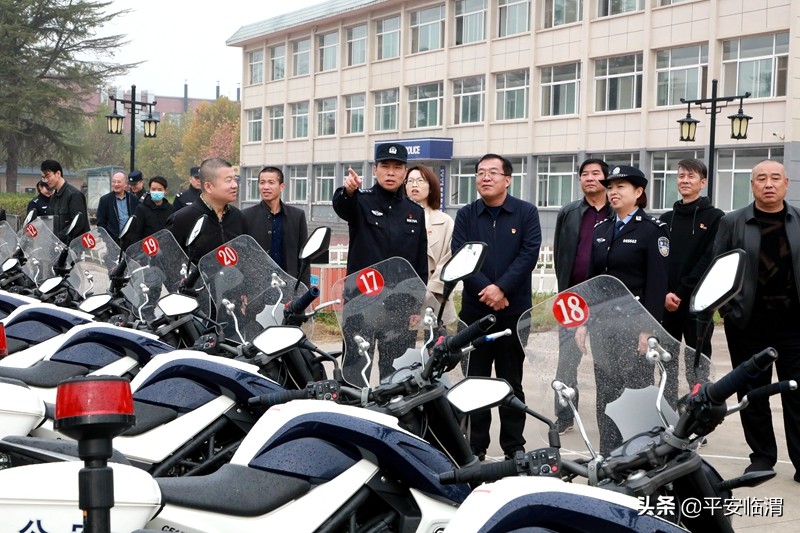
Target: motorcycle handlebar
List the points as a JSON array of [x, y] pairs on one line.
[[277, 398], [772, 388], [191, 278], [474, 330], [298, 305], [482, 473], [738, 378]]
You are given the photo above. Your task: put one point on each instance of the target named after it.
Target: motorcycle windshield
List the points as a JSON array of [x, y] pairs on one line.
[[94, 253], [385, 305], [8, 241], [240, 276], [156, 266], [593, 338], [41, 248]]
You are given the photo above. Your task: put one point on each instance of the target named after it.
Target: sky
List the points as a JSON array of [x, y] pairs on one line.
[[184, 41]]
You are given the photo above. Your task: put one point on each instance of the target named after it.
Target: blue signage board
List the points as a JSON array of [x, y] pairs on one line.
[[314, 280], [433, 148]]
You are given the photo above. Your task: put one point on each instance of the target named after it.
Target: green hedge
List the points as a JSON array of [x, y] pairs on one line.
[[15, 203]]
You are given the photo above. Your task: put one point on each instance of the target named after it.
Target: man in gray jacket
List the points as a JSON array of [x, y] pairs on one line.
[[767, 310], [572, 246]]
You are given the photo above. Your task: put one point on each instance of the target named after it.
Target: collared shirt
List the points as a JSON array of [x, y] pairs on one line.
[[583, 253], [276, 251], [122, 210]]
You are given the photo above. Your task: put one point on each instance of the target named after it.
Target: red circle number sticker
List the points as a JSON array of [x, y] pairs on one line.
[[88, 241], [150, 246], [370, 282], [227, 256], [30, 229], [570, 310]]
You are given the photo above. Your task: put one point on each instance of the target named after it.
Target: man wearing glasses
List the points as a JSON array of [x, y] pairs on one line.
[[510, 227], [65, 202]]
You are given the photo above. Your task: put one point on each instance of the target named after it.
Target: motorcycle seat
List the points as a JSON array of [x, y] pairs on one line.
[[233, 490], [15, 345], [45, 374], [39, 448], [149, 416]]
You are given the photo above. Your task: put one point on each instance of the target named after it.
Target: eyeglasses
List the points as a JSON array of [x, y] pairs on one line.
[[494, 174], [416, 181]]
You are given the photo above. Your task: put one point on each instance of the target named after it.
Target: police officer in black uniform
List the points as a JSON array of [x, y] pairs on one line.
[[633, 247], [382, 223], [192, 193]]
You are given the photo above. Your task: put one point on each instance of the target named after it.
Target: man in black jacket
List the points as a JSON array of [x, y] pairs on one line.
[[572, 248], [192, 193], [767, 310], [116, 207], [220, 186], [693, 224], [278, 228], [65, 202]]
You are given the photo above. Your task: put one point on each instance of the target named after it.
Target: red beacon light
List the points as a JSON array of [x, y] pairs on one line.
[[3, 341]]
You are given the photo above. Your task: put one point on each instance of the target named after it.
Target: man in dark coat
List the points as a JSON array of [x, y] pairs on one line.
[[116, 207], [65, 203], [192, 193], [278, 228]]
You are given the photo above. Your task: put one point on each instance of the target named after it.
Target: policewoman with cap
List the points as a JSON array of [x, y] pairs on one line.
[[633, 247], [136, 184]]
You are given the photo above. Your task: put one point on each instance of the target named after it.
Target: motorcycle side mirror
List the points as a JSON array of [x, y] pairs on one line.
[[10, 264], [198, 227], [127, 226], [465, 262], [722, 281], [177, 304], [28, 218], [74, 223], [277, 339], [316, 244], [93, 303], [50, 284], [474, 394]]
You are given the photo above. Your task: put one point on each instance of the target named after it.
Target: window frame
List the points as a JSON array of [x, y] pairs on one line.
[[553, 17], [469, 22], [352, 113], [277, 62], [298, 118], [276, 123], [383, 37], [564, 177], [254, 124], [429, 29], [777, 59], [255, 67], [380, 106], [357, 45], [294, 177], [301, 59], [604, 82], [672, 67], [549, 95], [460, 95], [415, 101], [507, 16], [324, 181], [326, 118], [605, 8], [502, 103], [328, 52]]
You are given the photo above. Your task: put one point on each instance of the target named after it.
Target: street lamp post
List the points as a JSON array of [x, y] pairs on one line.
[[712, 106], [115, 121]]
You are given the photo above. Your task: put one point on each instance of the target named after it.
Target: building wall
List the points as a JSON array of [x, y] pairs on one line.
[[646, 135]]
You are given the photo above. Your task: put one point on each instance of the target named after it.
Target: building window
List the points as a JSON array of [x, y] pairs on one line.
[[255, 60], [298, 183], [277, 62], [387, 32], [358, 168], [470, 21], [468, 95], [734, 169], [514, 17], [276, 123], [618, 83], [357, 45], [301, 57], [354, 108], [427, 29], [560, 12], [250, 176], [462, 181], [512, 95], [386, 107], [300, 120], [326, 117], [328, 48], [254, 118], [425, 105], [518, 173], [560, 89], [758, 65], [669, 2], [555, 177], [606, 8], [681, 73], [663, 191], [325, 182]]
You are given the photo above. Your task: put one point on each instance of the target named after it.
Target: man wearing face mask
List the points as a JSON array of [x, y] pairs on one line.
[[152, 212]]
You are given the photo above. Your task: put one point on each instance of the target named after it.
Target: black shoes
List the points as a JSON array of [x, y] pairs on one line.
[[760, 466], [563, 425]]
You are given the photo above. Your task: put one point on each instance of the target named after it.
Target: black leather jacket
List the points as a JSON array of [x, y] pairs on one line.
[[565, 240], [740, 229]]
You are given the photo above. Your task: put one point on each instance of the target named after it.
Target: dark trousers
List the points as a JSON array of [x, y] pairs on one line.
[[569, 357], [757, 417], [682, 324], [507, 356]]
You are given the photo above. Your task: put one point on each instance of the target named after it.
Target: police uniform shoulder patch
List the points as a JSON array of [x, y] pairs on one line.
[[663, 246], [657, 222]]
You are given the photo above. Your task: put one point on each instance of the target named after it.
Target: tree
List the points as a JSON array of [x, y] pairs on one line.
[[155, 157], [51, 61], [102, 149], [212, 131]]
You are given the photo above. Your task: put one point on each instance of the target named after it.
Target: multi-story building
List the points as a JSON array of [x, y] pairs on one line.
[[545, 83]]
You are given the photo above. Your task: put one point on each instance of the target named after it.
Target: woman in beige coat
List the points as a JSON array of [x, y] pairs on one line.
[[422, 186]]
